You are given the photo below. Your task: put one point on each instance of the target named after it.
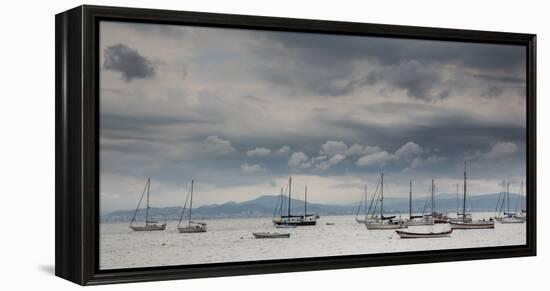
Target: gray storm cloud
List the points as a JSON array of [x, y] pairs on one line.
[[332, 110], [128, 62]]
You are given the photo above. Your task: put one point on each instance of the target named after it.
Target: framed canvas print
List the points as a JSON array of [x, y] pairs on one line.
[[197, 145]]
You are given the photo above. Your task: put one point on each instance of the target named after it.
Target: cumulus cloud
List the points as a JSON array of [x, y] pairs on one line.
[[299, 160], [258, 152], [128, 62], [332, 147], [326, 164], [376, 159], [284, 150], [409, 150], [357, 149], [217, 145], [501, 149], [254, 168]]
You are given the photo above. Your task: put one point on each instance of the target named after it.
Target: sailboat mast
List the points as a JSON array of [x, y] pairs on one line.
[[289, 193], [464, 200], [456, 198], [433, 198], [191, 203], [410, 198], [382, 197], [521, 196], [147, 207], [508, 196], [305, 203]]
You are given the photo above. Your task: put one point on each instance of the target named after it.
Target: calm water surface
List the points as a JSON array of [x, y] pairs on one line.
[[231, 240]]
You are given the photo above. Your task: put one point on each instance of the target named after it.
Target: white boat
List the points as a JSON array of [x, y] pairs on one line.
[[513, 219], [382, 222], [265, 235], [423, 219], [362, 206], [508, 217], [408, 234], [150, 225], [192, 226], [464, 224]]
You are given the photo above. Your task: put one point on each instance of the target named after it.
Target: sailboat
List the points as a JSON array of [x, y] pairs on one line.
[[416, 220], [514, 217], [150, 225], [277, 208], [382, 222], [192, 226], [297, 220], [464, 224], [459, 217], [362, 205]]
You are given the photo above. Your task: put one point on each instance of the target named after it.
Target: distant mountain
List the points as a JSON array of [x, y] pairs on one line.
[[264, 206]]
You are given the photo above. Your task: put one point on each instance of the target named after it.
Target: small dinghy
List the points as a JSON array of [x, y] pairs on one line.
[[330, 223], [408, 234], [262, 235]]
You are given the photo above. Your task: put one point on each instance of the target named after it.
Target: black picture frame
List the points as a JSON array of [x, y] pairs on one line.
[[77, 122]]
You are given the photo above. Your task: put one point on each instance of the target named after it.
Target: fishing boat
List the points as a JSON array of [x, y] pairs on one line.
[[408, 234], [191, 226], [150, 225], [417, 220], [290, 219], [265, 235], [382, 222], [362, 206], [479, 224]]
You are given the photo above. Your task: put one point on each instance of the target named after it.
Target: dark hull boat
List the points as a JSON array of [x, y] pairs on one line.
[[149, 224], [267, 235], [289, 220], [407, 234]]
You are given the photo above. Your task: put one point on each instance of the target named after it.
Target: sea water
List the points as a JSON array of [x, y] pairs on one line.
[[231, 240]]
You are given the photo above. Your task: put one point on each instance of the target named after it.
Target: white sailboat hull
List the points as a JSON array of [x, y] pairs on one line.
[[511, 220], [148, 227], [406, 234], [191, 230]]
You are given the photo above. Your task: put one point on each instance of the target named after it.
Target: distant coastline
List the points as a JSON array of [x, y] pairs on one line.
[[263, 206]]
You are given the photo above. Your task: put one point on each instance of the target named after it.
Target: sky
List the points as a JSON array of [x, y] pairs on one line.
[[239, 111]]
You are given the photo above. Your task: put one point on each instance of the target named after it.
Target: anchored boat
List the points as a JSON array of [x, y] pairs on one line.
[[416, 220], [150, 225], [192, 226], [382, 222], [407, 234], [286, 221], [464, 224], [362, 206], [264, 235]]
